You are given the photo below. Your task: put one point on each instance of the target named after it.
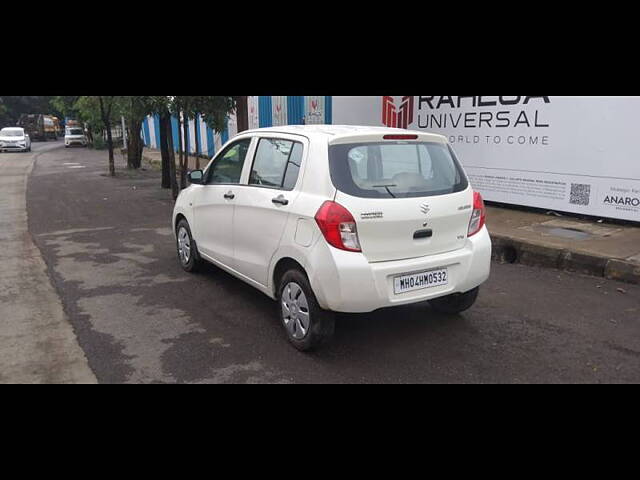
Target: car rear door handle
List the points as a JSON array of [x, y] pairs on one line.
[[280, 200], [229, 195]]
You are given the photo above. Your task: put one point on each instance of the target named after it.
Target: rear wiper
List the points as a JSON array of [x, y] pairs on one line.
[[386, 187]]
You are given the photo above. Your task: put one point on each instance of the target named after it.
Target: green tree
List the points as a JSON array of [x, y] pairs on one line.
[[100, 113], [161, 105], [65, 106], [214, 111], [135, 109]]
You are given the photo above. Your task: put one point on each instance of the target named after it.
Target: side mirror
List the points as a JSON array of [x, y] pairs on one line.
[[196, 177]]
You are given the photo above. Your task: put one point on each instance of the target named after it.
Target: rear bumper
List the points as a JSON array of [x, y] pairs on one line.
[[347, 282]]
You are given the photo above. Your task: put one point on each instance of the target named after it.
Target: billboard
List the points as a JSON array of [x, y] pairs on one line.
[[572, 154]]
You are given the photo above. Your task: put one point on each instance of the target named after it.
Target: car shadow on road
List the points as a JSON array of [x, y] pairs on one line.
[[386, 327]]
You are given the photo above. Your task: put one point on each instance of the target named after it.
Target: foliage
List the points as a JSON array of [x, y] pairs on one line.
[[213, 109], [66, 105], [135, 108], [14, 106], [88, 111], [99, 143]]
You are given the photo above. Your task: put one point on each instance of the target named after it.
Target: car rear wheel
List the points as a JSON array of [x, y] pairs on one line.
[[187, 251], [456, 303], [306, 324]]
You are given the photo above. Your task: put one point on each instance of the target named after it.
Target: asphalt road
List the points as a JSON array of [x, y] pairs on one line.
[[140, 318], [37, 342]]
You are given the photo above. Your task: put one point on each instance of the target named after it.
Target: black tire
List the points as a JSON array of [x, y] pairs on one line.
[[321, 322], [194, 260], [456, 303]]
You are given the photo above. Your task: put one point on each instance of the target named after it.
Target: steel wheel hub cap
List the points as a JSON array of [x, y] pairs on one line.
[[184, 245], [295, 311]]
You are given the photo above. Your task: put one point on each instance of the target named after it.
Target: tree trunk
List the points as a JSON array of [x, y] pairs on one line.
[[106, 120], [134, 144], [180, 142], [242, 113], [185, 159], [112, 166], [165, 131], [197, 136], [90, 135], [172, 160]]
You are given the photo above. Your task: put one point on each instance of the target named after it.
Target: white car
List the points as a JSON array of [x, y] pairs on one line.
[[14, 138], [327, 218], [74, 136]]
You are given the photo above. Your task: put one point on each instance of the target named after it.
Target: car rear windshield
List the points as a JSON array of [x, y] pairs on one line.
[[6, 132], [396, 169]]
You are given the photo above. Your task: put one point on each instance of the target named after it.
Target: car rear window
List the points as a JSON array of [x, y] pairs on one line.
[[396, 169]]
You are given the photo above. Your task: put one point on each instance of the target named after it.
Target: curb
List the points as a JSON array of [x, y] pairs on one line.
[[511, 250]]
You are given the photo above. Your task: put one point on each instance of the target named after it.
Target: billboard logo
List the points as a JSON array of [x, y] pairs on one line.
[[397, 118]]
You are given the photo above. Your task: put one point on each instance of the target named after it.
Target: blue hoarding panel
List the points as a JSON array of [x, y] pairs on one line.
[[265, 112], [174, 131], [145, 132], [295, 110]]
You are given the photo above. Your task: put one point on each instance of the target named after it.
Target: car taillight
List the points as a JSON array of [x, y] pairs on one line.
[[338, 226], [479, 215]]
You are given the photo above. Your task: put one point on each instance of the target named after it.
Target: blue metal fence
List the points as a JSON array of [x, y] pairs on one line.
[[295, 116]]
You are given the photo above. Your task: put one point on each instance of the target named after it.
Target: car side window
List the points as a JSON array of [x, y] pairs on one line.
[[227, 168], [276, 164]]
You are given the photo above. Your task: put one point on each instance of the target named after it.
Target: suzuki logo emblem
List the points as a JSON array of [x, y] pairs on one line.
[[424, 208]]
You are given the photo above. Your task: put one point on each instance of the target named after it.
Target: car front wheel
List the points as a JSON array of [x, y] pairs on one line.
[[456, 303], [307, 325]]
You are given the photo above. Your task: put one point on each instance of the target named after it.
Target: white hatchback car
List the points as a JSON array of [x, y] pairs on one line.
[[327, 218], [14, 138]]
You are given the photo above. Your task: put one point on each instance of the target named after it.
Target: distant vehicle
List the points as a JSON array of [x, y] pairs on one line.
[[38, 126], [58, 126], [74, 136], [14, 138]]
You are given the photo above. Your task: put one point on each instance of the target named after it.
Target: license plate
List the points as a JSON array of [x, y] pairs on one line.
[[420, 281]]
